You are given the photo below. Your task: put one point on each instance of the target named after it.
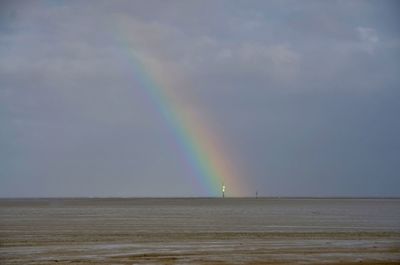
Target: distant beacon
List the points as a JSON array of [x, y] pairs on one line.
[[223, 190]]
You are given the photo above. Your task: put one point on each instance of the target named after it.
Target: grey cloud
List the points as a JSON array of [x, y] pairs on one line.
[[304, 94]]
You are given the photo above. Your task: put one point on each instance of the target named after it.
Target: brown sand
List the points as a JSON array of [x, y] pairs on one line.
[[199, 231]]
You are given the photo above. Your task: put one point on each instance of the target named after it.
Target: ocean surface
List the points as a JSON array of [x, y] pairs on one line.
[[200, 231]]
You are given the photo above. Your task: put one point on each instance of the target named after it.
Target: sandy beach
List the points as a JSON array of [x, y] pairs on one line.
[[200, 231]]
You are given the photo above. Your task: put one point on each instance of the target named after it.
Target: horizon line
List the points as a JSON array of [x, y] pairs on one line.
[[202, 197]]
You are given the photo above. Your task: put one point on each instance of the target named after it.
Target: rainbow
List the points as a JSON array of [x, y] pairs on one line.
[[199, 146]]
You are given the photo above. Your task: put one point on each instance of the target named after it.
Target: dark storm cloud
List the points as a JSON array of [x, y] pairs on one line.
[[305, 94]]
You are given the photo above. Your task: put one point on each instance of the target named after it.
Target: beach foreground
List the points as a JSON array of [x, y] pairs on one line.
[[200, 231]]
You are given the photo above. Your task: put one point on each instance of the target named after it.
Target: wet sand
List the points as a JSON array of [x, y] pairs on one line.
[[200, 231]]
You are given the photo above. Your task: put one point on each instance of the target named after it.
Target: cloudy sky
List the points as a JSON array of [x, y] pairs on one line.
[[303, 95]]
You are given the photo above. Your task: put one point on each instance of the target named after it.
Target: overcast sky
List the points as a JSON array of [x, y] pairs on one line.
[[305, 95]]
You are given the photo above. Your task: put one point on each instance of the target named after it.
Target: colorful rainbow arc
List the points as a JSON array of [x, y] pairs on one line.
[[201, 149]]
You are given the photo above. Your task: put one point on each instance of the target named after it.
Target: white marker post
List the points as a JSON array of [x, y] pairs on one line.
[[223, 190]]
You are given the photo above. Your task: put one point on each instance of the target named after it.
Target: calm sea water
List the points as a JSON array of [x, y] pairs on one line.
[[198, 230]]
